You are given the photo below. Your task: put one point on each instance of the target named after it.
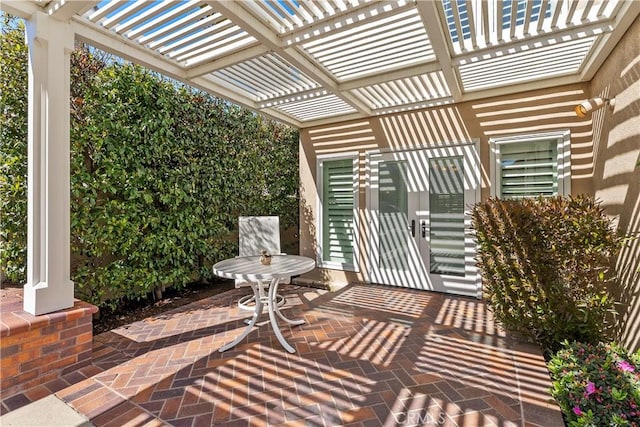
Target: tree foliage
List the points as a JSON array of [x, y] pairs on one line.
[[160, 174]]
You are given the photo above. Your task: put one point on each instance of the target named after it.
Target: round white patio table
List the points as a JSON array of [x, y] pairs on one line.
[[250, 269]]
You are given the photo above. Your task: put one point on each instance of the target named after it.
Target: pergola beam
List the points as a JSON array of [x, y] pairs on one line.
[[427, 103], [294, 97], [21, 9], [242, 17], [430, 15], [332, 120], [118, 45], [216, 87]]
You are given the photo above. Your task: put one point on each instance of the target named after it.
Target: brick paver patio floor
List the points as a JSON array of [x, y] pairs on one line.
[[367, 356]]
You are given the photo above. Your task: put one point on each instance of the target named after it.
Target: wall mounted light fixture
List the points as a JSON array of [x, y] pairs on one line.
[[593, 104]]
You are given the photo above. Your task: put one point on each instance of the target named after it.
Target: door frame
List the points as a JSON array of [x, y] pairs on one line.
[[471, 283]]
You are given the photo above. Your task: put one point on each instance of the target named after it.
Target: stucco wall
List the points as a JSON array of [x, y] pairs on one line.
[[605, 151], [616, 178], [525, 113]]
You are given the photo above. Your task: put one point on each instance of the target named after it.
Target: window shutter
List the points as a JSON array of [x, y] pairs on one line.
[[446, 207], [528, 169], [338, 205]]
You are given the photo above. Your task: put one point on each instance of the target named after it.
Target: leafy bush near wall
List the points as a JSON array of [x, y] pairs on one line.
[[13, 164], [160, 173], [547, 265], [596, 385]]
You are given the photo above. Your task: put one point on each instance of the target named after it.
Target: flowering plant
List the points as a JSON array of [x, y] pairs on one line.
[[596, 385]]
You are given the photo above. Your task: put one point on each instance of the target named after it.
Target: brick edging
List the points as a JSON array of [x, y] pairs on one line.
[[15, 322]]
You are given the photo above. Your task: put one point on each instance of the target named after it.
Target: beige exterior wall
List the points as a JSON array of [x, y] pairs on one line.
[[526, 113], [616, 177], [605, 148]]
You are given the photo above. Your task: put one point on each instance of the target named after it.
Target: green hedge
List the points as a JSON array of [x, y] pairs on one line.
[[13, 150], [547, 266], [160, 173]]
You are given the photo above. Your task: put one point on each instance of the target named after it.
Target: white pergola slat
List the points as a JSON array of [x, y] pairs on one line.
[[267, 77], [420, 88], [285, 57], [529, 65], [171, 26], [317, 108], [391, 41]]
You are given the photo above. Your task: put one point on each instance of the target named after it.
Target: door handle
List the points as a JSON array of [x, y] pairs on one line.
[[424, 228], [412, 227]]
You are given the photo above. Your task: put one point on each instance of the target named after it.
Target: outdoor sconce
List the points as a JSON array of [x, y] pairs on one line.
[[593, 104]]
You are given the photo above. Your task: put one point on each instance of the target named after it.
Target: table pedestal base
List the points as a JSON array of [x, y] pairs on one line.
[[270, 300]]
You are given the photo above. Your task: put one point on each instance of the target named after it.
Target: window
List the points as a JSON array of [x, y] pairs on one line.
[[337, 212], [446, 206], [531, 165]]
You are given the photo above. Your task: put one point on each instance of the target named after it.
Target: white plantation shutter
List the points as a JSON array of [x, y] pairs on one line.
[[529, 169], [338, 223], [531, 166]]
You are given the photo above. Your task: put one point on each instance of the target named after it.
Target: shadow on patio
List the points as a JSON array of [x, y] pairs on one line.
[[368, 355]]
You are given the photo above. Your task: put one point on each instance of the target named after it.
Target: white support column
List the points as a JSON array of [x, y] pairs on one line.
[[49, 287]]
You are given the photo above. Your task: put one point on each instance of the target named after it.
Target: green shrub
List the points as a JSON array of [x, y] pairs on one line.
[[161, 173], [547, 266], [13, 150], [596, 385]]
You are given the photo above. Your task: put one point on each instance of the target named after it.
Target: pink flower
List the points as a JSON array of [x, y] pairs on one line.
[[578, 411], [625, 366], [591, 388]]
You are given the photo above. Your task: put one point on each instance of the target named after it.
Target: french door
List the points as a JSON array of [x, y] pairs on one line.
[[419, 204]]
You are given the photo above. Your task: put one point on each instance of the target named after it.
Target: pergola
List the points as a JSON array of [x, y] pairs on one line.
[[303, 62]]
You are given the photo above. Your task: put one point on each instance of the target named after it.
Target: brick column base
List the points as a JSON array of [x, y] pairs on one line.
[[37, 349]]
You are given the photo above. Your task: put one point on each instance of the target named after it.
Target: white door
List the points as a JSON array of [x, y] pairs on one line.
[[419, 204]]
